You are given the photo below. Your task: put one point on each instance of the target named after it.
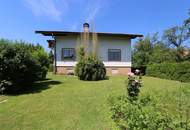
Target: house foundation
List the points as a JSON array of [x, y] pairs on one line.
[[110, 71]]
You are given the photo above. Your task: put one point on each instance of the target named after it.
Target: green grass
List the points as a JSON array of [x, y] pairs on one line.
[[65, 103]]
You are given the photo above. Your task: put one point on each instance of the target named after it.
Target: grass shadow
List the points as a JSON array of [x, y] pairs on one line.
[[106, 78], [36, 87]]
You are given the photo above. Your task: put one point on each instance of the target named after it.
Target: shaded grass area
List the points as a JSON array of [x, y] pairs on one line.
[[64, 102], [36, 87]]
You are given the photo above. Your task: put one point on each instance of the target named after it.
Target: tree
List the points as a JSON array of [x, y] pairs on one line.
[[141, 52], [187, 22], [152, 50], [160, 54], [170, 47], [176, 36]]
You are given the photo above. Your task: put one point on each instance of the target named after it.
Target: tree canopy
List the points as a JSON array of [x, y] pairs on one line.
[[171, 46]]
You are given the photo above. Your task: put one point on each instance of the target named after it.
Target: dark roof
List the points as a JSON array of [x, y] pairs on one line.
[[64, 33]]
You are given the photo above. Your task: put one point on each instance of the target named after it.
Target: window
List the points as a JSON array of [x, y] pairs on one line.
[[114, 55], [68, 54]]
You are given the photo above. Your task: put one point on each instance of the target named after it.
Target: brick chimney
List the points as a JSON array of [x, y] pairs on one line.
[[86, 27]]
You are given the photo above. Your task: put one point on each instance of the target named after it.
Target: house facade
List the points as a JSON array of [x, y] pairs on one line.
[[113, 49]]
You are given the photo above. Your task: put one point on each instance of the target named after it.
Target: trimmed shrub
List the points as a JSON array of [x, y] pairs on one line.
[[173, 71], [20, 65], [91, 69]]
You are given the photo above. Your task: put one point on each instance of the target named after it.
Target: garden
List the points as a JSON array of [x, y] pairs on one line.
[[65, 102], [31, 98], [89, 100]]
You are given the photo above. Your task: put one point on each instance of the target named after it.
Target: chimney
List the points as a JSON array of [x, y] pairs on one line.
[[86, 27]]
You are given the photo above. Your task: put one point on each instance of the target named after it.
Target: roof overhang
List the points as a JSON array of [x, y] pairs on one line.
[[65, 33]]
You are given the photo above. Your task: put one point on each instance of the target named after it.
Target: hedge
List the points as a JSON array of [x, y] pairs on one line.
[[173, 71]]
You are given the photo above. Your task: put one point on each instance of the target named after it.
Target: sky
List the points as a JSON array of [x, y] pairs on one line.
[[20, 18]]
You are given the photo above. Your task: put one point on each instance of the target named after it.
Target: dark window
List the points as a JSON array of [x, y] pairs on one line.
[[68, 54], [114, 55]]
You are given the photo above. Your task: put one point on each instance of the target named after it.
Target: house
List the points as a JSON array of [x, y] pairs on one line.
[[114, 49]]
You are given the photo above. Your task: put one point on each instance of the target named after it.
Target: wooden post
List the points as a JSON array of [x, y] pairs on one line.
[[55, 57]]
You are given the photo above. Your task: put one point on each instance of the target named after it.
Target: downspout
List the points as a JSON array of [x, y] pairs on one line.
[[55, 56]]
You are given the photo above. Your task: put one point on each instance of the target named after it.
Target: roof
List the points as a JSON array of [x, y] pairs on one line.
[[64, 33]]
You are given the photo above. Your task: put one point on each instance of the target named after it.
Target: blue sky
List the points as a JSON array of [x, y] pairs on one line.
[[20, 18]]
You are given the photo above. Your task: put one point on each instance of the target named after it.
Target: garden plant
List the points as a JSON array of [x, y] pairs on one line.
[[136, 112], [21, 64], [89, 67]]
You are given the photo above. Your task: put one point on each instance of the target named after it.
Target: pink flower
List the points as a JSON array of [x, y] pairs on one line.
[[136, 81], [130, 74], [137, 71]]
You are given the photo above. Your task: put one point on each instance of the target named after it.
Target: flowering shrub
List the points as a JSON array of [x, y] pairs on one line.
[[133, 85]]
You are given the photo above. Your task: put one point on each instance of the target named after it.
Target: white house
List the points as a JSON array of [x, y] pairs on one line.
[[114, 49]]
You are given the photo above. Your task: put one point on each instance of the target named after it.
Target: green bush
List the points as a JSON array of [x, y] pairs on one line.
[[51, 68], [91, 69], [173, 71], [20, 65], [142, 114], [42, 59]]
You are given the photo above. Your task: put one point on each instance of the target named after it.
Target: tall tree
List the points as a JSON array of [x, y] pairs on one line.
[[161, 53], [152, 50], [141, 52], [176, 36], [187, 22]]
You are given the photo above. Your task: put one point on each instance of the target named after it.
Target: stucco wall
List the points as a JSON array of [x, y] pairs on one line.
[[104, 43]]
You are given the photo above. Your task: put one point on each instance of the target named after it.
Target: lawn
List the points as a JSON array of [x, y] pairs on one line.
[[65, 103]]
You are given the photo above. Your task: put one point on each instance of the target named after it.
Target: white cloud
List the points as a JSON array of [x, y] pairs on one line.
[[92, 14], [93, 9], [57, 9], [74, 27], [48, 8]]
